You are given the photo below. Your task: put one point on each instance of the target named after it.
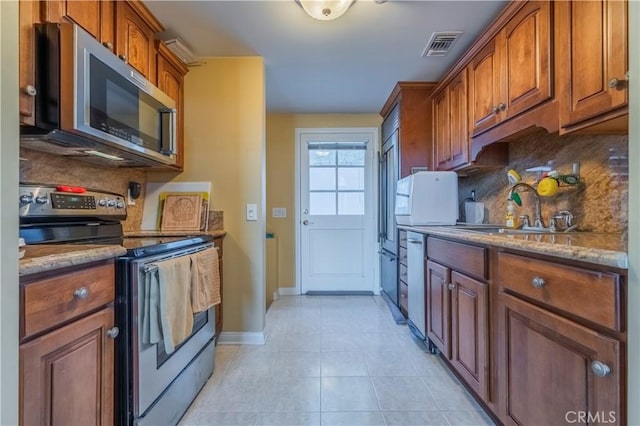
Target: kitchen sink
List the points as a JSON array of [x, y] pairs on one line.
[[498, 229]]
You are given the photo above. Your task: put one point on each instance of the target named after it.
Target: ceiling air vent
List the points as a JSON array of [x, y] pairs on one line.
[[440, 43], [182, 52]]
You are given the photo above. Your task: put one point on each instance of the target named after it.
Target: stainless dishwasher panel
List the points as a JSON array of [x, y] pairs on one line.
[[415, 281]]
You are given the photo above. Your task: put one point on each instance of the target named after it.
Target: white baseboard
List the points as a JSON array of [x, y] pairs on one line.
[[241, 338], [288, 291]]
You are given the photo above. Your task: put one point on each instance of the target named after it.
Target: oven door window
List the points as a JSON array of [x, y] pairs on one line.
[[120, 108], [199, 320]]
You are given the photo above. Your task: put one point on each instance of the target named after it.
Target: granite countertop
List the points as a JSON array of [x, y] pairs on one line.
[[608, 249], [47, 257]]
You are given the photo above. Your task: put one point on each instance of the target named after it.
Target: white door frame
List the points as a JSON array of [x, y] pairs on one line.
[[371, 218]]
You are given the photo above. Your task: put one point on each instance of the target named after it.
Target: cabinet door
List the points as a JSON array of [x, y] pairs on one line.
[[388, 181], [66, 376], [135, 41], [171, 82], [441, 129], [527, 43], [438, 299], [469, 333], [546, 365], [484, 88], [95, 16], [593, 51], [458, 119], [29, 14]]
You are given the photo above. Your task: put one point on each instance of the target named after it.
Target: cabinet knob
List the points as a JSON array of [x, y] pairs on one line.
[[600, 369], [451, 286], [502, 106], [81, 293], [496, 110], [108, 45], [123, 57], [30, 90], [113, 332], [538, 282]]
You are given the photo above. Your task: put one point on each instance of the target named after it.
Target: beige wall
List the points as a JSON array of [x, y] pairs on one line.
[[9, 219], [225, 144], [633, 354], [281, 178]]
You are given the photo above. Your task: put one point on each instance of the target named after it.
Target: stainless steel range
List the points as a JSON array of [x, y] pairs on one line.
[[152, 387]]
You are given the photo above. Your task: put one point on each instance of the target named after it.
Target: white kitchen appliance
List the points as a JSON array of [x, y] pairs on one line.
[[427, 198]]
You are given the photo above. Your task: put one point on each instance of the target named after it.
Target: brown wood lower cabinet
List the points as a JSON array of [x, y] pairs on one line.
[[555, 371], [217, 241], [67, 346], [67, 375], [458, 309]]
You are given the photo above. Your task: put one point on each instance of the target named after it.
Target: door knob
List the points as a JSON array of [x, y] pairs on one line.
[[306, 222]]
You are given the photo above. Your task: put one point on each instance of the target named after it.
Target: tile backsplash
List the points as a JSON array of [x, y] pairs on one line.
[[39, 167], [599, 205]]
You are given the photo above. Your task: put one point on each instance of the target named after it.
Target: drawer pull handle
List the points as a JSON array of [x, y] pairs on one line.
[[113, 332], [600, 369], [81, 293], [538, 282]]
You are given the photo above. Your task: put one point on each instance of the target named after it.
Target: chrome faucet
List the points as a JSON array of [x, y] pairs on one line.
[[537, 219]]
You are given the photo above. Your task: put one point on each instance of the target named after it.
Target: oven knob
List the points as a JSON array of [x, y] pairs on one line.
[[26, 198], [111, 203], [120, 205], [102, 203], [42, 199]]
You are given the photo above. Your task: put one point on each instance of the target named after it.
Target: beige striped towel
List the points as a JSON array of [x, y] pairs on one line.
[[205, 280], [176, 315]]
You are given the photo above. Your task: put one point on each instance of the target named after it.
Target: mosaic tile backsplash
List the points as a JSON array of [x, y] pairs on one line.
[[600, 204]]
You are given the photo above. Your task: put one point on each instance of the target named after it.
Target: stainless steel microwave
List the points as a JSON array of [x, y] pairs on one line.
[[91, 105]]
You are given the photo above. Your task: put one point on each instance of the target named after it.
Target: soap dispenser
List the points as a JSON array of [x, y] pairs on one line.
[[511, 220]]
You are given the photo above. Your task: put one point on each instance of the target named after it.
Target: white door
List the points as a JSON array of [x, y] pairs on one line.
[[335, 211]]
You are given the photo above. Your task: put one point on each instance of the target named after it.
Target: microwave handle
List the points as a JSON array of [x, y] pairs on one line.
[[171, 124]]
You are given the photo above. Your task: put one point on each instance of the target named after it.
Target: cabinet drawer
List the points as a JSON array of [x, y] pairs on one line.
[[403, 238], [402, 272], [51, 301], [403, 300], [592, 295], [403, 256], [466, 258]]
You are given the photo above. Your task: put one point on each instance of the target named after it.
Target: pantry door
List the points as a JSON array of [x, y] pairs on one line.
[[335, 210]]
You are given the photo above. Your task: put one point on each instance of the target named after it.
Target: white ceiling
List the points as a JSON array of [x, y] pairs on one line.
[[348, 65]]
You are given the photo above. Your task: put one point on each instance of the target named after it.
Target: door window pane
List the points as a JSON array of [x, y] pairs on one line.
[[322, 157], [322, 178], [351, 178], [322, 203], [351, 157], [351, 203]]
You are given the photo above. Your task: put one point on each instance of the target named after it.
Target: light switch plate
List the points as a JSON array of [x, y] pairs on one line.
[[279, 212], [252, 212]]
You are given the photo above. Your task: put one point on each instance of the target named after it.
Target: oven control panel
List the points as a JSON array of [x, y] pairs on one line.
[[46, 200]]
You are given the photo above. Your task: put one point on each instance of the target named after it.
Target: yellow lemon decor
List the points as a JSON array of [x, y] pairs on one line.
[[547, 187]]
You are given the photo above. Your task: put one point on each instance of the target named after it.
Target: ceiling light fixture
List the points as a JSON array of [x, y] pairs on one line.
[[325, 10]]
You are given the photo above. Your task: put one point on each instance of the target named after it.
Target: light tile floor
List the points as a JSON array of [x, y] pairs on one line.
[[332, 360]]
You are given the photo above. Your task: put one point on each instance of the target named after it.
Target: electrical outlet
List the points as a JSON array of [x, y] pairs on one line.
[[130, 200], [252, 212], [279, 212]]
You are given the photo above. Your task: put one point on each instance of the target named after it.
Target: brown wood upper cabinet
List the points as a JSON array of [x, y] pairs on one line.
[[135, 30], [29, 12], [450, 118], [412, 119], [513, 73], [170, 79], [592, 65], [95, 16]]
